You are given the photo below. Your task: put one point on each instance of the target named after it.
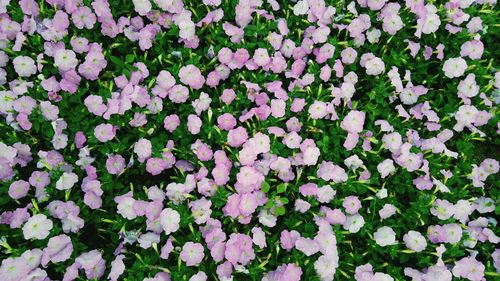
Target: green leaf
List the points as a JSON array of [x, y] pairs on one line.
[[279, 211], [281, 188], [265, 187]]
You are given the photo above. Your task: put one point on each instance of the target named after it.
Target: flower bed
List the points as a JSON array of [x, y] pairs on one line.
[[249, 140]]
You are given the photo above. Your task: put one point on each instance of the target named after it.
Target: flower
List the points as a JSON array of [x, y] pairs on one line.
[[192, 253], [454, 67], [353, 122], [66, 181], [115, 164], [191, 75], [351, 204], [65, 59], [18, 189], [469, 268], [37, 227], [58, 249], [104, 132], [386, 167], [117, 268], [354, 223], [24, 66], [143, 149], [415, 241], [385, 236], [169, 220]]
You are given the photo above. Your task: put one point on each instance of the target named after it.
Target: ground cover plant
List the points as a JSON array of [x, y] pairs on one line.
[[249, 140]]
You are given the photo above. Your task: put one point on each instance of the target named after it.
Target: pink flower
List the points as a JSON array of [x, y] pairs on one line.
[[469, 268], [190, 75], [155, 166], [288, 272], [83, 17], [142, 7], [232, 206], [192, 253], [95, 105], [288, 238], [351, 204], [247, 204], [259, 237], [104, 132], [37, 227], [204, 153], [117, 268], [59, 249], [261, 57], [171, 122], [348, 55], [239, 249], [387, 211], [228, 95], [115, 164], [307, 246], [385, 236], [328, 171], [353, 122], [292, 140], [18, 189], [143, 149], [226, 121], [318, 110], [39, 179], [237, 137], [473, 49], [194, 124], [178, 94], [375, 5], [374, 66]]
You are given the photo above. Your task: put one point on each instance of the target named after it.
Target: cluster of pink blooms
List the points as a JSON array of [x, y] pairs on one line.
[[264, 149]]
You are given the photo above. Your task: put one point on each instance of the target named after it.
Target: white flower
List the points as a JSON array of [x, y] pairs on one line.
[[386, 167], [66, 181], [354, 223], [375, 66], [353, 162], [300, 8], [415, 241], [126, 208], [385, 236], [267, 218], [59, 141], [431, 23], [143, 148], [378, 276], [311, 155], [24, 66], [7, 152], [454, 67], [65, 59], [200, 276], [382, 193], [325, 267], [169, 220], [37, 227], [142, 7], [373, 35]]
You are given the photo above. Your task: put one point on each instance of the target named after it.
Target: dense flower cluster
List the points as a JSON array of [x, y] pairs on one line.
[[325, 140]]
